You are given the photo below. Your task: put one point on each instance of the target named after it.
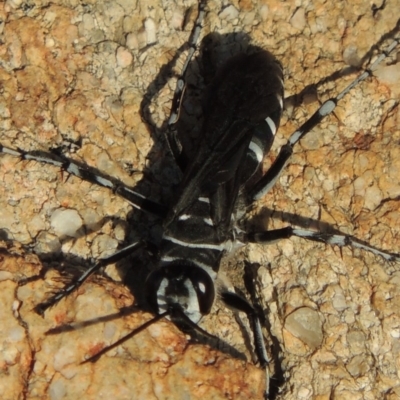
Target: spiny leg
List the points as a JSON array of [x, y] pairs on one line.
[[91, 175], [237, 302], [171, 132], [264, 185], [335, 239], [117, 256]]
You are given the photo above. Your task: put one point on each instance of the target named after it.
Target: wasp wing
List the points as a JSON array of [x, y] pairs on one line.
[[246, 91]]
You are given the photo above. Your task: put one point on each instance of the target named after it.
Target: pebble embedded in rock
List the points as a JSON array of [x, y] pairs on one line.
[[66, 222], [306, 325]]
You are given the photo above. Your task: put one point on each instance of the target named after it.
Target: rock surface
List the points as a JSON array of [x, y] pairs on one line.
[[157, 363]]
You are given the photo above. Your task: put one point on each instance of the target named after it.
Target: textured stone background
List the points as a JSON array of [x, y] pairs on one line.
[[73, 73]]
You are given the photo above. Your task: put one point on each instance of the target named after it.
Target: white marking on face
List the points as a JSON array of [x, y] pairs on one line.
[[193, 308], [190, 303], [161, 298]]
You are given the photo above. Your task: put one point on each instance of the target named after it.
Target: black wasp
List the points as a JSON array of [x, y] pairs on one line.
[[242, 110]]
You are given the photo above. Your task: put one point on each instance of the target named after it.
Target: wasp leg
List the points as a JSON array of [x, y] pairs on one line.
[[117, 256], [91, 175], [335, 239], [171, 133]]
